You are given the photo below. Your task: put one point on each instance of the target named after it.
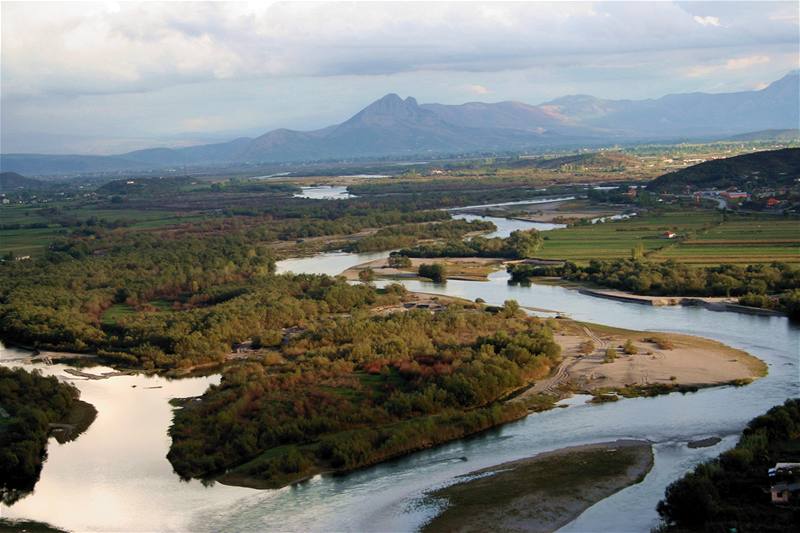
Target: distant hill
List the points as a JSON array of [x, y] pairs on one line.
[[767, 169], [11, 181], [767, 135], [590, 161], [393, 126], [150, 186]]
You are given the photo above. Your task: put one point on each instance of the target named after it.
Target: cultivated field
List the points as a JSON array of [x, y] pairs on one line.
[[702, 237]]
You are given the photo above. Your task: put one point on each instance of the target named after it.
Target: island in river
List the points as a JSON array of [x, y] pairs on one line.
[[494, 365], [541, 493]]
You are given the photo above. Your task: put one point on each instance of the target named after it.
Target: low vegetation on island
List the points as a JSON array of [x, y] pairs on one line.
[[355, 390]]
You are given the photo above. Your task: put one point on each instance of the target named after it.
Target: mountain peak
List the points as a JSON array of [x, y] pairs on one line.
[[392, 103], [390, 107]]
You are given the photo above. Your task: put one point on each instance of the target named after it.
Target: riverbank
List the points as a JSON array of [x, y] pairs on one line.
[[460, 268], [541, 493], [712, 303], [662, 363]]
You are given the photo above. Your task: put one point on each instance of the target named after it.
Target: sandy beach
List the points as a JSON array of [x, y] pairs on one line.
[[662, 359]]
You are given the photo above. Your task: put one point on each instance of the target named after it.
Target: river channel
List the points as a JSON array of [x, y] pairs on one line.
[[116, 477]]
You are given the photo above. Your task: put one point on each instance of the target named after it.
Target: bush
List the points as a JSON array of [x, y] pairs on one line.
[[399, 261], [587, 348], [436, 272], [630, 348], [611, 354]]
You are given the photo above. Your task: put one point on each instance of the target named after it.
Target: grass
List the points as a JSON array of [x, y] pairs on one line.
[[117, 311], [34, 241], [31, 241], [541, 492], [704, 238]]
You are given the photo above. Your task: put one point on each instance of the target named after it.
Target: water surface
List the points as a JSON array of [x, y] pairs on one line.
[[116, 476]]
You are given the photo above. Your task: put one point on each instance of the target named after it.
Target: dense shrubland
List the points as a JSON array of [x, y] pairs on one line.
[[349, 391], [408, 234], [519, 245], [731, 492], [753, 284]]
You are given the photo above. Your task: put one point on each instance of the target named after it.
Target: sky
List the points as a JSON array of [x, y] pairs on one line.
[[99, 78]]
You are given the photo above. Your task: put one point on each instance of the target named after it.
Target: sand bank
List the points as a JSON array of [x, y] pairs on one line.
[[541, 493]]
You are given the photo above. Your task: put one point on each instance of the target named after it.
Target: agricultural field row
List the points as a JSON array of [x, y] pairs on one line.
[[701, 237]]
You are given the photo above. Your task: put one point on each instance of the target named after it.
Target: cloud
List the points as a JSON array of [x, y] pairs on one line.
[[85, 48], [478, 89], [707, 20], [739, 63], [734, 63]]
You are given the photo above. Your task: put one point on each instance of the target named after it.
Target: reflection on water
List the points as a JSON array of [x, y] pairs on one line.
[[115, 477], [506, 225], [325, 192]]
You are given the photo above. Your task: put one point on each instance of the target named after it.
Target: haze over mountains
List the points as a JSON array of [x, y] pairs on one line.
[[392, 126]]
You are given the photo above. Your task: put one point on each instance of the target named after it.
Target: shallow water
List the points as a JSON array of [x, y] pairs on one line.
[[115, 477], [325, 192]]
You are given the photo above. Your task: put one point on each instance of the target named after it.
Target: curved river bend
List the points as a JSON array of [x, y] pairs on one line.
[[115, 477]]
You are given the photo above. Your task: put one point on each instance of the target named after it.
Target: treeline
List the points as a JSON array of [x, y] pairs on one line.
[[221, 292], [32, 402], [732, 492], [408, 234], [752, 283], [519, 245], [180, 296], [354, 390]]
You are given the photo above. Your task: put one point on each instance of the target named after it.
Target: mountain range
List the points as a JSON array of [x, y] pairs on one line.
[[393, 126]]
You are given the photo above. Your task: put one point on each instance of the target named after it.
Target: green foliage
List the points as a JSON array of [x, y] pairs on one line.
[[732, 491], [359, 389], [519, 245], [399, 261], [675, 279], [367, 275], [437, 272], [408, 234], [611, 354], [772, 168]]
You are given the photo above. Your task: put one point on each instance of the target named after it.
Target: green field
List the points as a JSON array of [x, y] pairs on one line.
[[703, 237], [33, 241]]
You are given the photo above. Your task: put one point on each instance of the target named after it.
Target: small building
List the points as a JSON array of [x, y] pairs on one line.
[[735, 195], [784, 482], [668, 235], [772, 202], [785, 492]]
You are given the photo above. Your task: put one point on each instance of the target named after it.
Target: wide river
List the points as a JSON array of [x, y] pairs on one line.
[[116, 477]]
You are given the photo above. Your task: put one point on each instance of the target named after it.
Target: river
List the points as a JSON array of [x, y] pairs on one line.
[[116, 476]]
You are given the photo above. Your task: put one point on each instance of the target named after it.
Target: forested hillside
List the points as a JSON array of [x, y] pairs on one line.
[[731, 492], [768, 169]]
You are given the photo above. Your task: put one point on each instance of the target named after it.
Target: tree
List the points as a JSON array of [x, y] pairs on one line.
[[510, 308], [611, 354], [524, 244], [399, 261], [587, 347], [366, 276], [436, 272]]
